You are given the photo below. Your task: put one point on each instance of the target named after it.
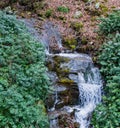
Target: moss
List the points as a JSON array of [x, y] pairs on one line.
[[60, 59], [55, 66], [77, 26], [84, 40], [85, 1], [49, 13], [94, 59], [104, 9], [38, 5], [66, 81], [93, 18], [70, 43], [63, 9]]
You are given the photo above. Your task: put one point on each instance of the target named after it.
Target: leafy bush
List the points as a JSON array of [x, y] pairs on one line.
[[63, 9], [110, 58], [107, 115], [110, 24], [23, 79]]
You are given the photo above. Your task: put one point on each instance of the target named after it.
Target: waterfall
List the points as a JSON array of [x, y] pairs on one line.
[[90, 95], [80, 73]]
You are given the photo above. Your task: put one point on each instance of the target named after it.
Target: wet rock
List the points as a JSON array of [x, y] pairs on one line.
[[77, 125], [73, 77], [62, 96], [53, 77], [51, 38], [66, 121], [50, 100], [60, 88], [77, 62], [63, 119]]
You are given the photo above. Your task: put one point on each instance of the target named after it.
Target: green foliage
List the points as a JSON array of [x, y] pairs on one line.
[[110, 57], [48, 13], [107, 115], [23, 79], [63, 9], [110, 24]]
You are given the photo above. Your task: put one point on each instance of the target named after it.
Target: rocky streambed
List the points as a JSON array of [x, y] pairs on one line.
[[75, 82]]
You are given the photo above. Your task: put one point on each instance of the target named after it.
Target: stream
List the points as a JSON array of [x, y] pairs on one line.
[[76, 82]]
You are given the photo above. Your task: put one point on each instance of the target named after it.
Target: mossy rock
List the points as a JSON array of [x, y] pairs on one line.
[[55, 65], [66, 81], [60, 59]]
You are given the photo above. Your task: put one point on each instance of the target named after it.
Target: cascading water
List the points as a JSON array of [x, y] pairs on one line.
[[90, 96], [81, 74]]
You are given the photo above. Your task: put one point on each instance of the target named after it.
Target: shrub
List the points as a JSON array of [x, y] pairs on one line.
[[23, 79], [63, 9], [107, 115], [111, 24]]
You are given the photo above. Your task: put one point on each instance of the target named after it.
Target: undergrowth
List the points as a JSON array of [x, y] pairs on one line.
[[23, 79], [107, 114]]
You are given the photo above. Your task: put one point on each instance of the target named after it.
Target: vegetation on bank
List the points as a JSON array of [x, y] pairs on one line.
[[23, 80], [107, 115]]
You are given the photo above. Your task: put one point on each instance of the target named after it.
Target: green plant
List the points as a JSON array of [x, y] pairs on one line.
[[48, 13], [111, 24], [107, 115], [63, 9], [23, 79], [77, 26]]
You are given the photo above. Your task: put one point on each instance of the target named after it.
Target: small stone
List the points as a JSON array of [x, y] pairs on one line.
[[97, 5], [78, 14], [91, 43]]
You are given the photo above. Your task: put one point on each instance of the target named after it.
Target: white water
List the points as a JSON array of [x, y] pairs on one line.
[[90, 96]]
